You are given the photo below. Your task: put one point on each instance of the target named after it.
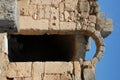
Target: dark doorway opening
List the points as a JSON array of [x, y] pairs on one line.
[[25, 48]]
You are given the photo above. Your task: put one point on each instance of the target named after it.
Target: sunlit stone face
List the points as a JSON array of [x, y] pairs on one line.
[[47, 14]]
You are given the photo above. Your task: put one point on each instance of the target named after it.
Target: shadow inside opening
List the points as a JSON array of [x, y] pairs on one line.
[[30, 48]]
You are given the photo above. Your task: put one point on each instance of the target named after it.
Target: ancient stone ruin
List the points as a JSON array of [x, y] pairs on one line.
[[48, 39]]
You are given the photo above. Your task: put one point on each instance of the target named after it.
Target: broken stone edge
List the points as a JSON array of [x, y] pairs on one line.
[[9, 21]]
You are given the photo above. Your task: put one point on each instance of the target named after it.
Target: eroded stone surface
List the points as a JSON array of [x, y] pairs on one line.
[[38, 17], [8, 16]]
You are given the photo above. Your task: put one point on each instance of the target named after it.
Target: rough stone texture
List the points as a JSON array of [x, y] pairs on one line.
[[8, 16], [59, 67], [77, 70], [19, 70], [80, 18], [89, 74], [37, 70]]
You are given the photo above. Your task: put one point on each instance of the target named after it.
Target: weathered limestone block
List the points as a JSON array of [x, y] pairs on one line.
[[92, 18], [20, 69], [32, 12], [69, 16], [47, 11], [40, 12], [67, 25], [58, 67], [3, 78], [104, 25], [29, 78], [77, 70], [71, 5], [88, 71], [84, 14], [108, 28], [56, 2], [54, 20], [89, 74], [24, 7], [67, 77], [42, 2], [8, 16], [3, 59], [52, 77], [84, 6], [61, 11], [33, 2], [37, 70], [28, 23]]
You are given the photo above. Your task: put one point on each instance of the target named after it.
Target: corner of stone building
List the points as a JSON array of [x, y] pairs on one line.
[[80, 18]]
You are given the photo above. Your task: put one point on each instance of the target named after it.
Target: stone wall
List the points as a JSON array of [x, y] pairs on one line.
[[8, 16], [61, 17]]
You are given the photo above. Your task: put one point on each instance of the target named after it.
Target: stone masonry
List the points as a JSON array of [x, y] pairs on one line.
[[80, 18], [8, 16]]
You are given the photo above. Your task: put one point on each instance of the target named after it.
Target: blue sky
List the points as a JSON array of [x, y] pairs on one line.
[[109, 67]]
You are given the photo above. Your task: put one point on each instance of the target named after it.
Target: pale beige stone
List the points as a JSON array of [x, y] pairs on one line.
[[84, 6], [33, 11], [90, 29], [58, 67], [29, 78], [56, 1], [92, 18], [66, 77], [77, 70], [47, 11], [87, 63], [71, 5], [94, 60], [44, 2], [84, 14], [54, 22], [19, 70], [54, 25], [72, 16], [38, 69], [34, 2], [108, 27], [79, 26], [89, 74], [92, 25], [3, 78], [23, 7], [67, 15], [67, 26], [41, 12], [99, 55], [52, 77], [28, 23], [61, 7], [62, 18], [21, 78], [54, 13]]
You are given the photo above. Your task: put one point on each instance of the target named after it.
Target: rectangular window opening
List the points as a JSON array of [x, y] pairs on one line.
[[30, 48]]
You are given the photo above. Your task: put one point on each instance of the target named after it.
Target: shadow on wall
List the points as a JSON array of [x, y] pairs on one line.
[[25, 48]]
